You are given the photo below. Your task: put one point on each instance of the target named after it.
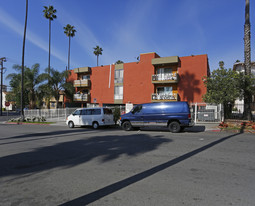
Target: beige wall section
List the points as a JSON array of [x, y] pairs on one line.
[[82, 70], [119, 66], [165, 60]]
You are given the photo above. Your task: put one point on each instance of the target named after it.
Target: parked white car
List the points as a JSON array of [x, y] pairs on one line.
[[94, 117]]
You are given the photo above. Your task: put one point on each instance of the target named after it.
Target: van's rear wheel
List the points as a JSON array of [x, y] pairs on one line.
[[95, 125], [127, 126], [174, 127]]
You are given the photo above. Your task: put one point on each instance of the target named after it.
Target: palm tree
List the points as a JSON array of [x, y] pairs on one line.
[[49, 13], [97, 52], [70, 32], [23, 62], [32, 79], [57, 84], [119, 62], [247, 60]]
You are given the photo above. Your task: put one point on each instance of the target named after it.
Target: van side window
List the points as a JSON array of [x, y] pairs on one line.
[[107, 111], [95, 111], [84, 112], [137, 109]]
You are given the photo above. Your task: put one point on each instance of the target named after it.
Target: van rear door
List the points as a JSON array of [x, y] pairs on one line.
[[108, 116]]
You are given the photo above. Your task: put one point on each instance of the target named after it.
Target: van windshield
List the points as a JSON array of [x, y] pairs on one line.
[[137, 109]]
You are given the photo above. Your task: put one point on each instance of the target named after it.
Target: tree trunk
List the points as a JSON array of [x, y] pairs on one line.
[[49, 45], [247, 60], [22, 66], [69, 53]]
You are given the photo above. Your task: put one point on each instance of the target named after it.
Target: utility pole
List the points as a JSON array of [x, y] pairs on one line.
[[3, 59]]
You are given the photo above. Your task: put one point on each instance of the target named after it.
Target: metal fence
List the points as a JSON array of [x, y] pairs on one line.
[[203, 112], [50, 114], [200, 112]]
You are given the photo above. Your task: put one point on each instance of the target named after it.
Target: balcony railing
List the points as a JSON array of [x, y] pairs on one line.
[[165, 78], [81, 97], [164, 97], [81, 83]]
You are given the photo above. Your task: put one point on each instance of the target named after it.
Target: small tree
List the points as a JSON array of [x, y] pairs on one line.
[[223, 87], [57, 84]]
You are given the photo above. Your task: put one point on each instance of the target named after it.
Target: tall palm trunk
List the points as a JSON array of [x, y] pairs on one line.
[[22, 66], [49, 45], [69, 53], [247, 60]]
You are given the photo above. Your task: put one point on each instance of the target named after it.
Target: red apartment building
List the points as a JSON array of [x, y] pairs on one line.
[[151, 79]]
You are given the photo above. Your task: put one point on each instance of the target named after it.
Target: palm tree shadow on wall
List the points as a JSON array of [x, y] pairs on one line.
[[189, 86]]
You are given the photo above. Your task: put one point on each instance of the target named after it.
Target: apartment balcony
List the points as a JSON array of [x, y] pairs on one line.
[[165, 78], [82, 70], [164, 97], [81, 83], [81, 97]]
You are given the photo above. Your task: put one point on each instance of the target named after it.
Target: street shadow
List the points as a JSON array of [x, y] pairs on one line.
[[193, 129], [73, 153], [189, 86], [46, 135], [98, 194]]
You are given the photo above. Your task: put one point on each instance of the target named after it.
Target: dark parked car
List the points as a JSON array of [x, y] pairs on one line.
[[174, 115]]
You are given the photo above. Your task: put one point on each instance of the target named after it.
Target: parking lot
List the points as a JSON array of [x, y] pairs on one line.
[[55, 165]]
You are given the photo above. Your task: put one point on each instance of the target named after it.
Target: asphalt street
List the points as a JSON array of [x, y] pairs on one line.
[[55, 165]]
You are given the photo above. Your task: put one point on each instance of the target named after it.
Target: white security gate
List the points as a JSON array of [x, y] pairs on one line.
[[204, 112]]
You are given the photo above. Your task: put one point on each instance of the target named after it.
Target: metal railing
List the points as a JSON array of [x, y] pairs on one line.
[[50, 114], [81, 97], [170, 97], [165, 77]]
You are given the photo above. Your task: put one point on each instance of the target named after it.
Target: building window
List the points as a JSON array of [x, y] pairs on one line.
[[118, 76], [164, 73], [165, 90], [164, 93], [118, 92], [86, 77]]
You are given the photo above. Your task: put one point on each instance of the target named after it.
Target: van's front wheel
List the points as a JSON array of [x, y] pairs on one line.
[[70, 124], [174, 127], [127, 126]]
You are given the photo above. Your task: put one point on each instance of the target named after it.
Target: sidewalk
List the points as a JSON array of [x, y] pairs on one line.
[[199, 127]]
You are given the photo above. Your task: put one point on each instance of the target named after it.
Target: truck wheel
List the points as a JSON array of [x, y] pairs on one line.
[[70, 124], [95, 125], [127, 126], [174, 127]]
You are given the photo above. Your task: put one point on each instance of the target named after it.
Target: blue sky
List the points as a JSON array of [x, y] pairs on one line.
[[124, 29]]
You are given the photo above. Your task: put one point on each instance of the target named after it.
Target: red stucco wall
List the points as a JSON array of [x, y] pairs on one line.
[[137, 80], [100, 90], [191, 87]]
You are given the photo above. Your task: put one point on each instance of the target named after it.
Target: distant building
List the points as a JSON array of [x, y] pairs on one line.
[[151, 79]]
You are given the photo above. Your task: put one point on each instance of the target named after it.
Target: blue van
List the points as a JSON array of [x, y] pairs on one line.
[[174, 115]]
